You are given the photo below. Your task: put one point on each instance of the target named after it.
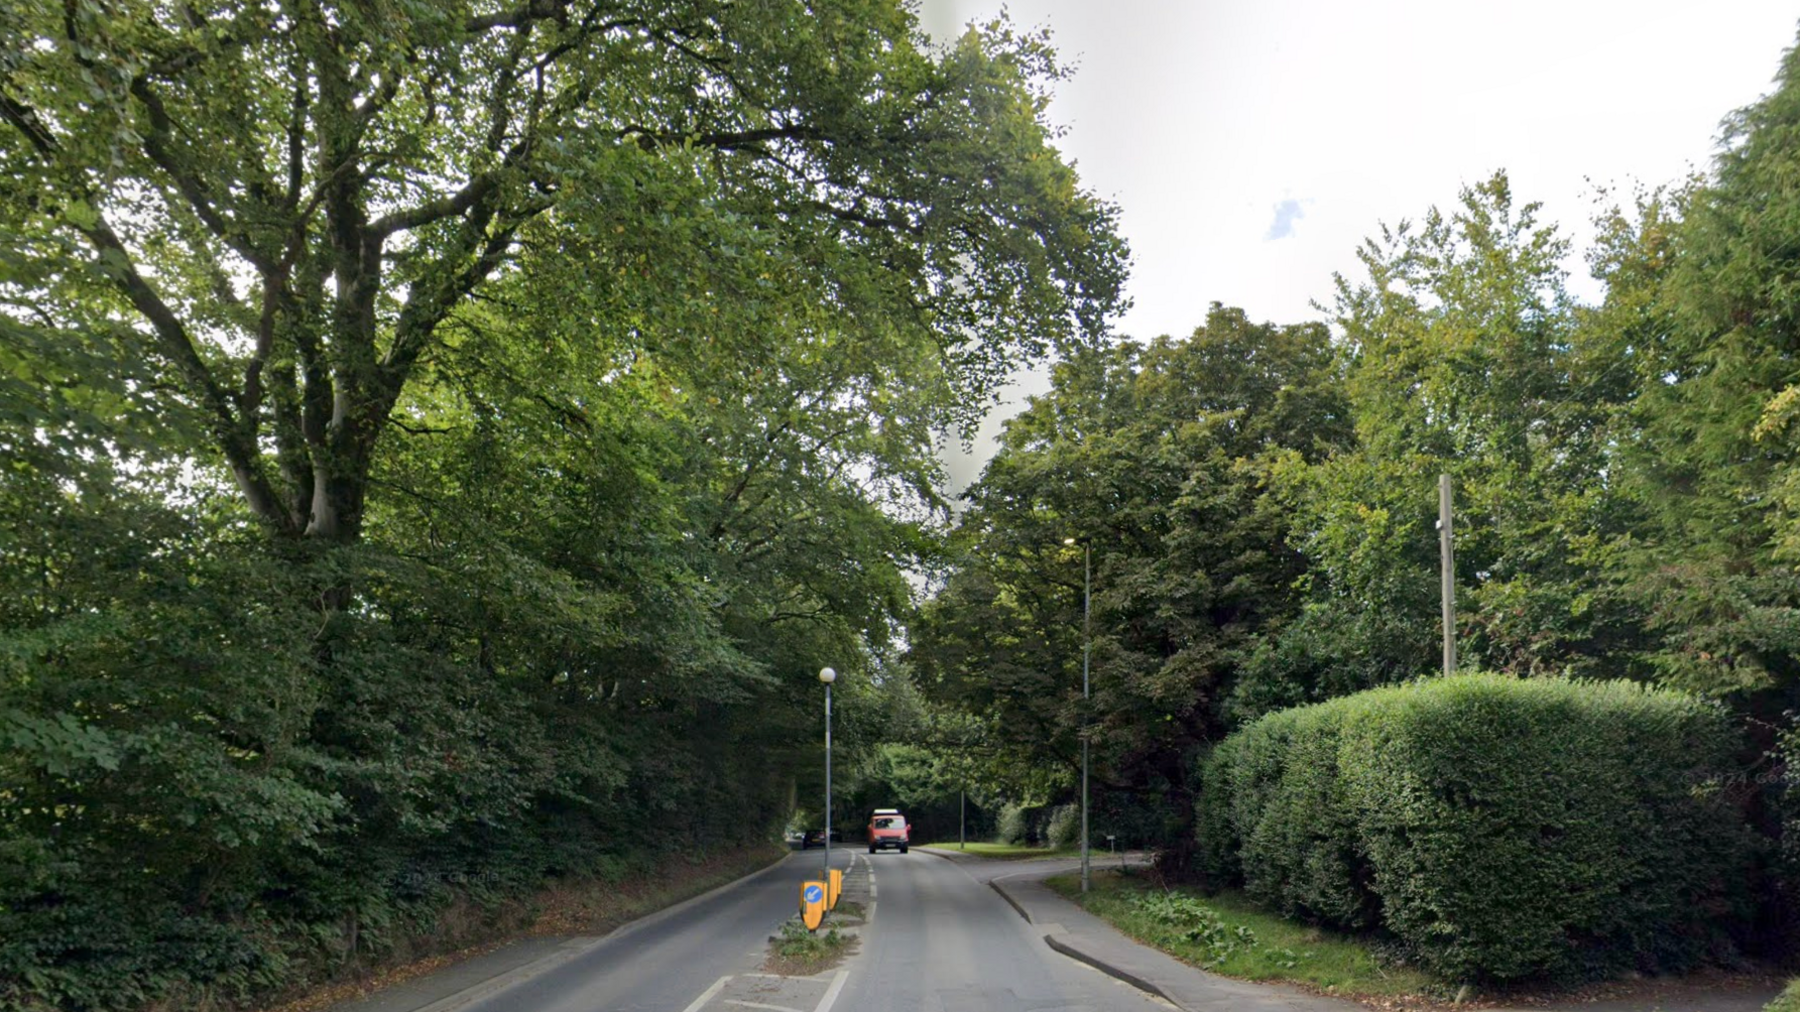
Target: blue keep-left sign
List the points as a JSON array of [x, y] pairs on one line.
[[812, 904]]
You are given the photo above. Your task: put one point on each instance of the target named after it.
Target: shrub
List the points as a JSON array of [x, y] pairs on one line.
[[1188, 920], [1065, 826], [1500, 828], [1015, 825]]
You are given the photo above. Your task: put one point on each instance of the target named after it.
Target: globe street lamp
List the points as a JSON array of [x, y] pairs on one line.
[[1087, 639], [827, 676]]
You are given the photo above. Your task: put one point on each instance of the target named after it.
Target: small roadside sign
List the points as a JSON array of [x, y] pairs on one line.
[[812, 904], [837, 886]]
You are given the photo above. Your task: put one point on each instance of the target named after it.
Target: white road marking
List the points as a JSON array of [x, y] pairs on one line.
[[758, 1004], [707, 995], [831, 993]]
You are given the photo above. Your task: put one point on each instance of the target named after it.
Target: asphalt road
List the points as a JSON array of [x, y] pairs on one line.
[[942, 942], [664, 965], [938, 941]]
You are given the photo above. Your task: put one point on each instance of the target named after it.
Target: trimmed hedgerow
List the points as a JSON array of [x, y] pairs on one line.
[[1501, 828]]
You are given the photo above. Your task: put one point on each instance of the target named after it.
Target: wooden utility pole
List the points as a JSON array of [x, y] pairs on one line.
[[1447, 552]]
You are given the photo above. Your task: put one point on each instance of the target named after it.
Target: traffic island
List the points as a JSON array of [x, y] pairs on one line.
[[795, 951]]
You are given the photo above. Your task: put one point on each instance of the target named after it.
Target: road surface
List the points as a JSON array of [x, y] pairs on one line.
[[942, 942], [938, 940]]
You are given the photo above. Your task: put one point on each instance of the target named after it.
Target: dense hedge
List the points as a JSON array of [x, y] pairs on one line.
[[1501, 828]]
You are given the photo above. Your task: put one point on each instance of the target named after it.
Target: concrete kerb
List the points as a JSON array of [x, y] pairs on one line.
[[994, 884], [1093, 942], [1071, 951], [1067, 945]]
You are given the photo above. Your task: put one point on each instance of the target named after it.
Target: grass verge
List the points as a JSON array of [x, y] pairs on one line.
[[1226, 934], [1006, 851], [797, 952], [1788, 1000]]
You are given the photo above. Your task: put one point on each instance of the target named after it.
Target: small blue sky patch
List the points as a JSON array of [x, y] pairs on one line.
[[1286, 213]]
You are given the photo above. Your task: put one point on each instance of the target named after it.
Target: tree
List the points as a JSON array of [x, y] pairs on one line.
[[1706, 293], [1464, 354], [293, 203], [1159, 457], [455, 435]]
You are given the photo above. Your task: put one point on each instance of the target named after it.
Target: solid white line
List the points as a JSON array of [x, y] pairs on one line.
[[707, 995], [831, 993]]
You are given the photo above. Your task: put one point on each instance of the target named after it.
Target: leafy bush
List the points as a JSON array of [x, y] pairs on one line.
[[795, 942], [1500, 828], [1015, 825], [1191, 921], [1064, 829]]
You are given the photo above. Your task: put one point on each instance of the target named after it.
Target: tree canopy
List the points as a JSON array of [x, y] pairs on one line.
[[446, 439]]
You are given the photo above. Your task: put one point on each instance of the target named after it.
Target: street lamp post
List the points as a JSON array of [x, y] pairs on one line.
[[1087, 639], [827, 676]]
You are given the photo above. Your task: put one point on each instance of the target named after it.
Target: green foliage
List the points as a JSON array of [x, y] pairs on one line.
[[1701, 295], [283, 214], [1191, 921], [1014, 827], [1162, 457], [446, 440], [1501, 828], [1064, 827], [1465, 355], [1787, 1001], [810, 949], [1228, 934]]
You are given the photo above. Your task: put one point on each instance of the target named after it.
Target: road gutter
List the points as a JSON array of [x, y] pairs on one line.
[[574, 948], [1062, 946]]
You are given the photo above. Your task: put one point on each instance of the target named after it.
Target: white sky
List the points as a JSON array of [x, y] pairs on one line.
[[1201, 119]]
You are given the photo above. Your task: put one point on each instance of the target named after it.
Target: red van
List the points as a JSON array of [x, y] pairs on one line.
[[888, 828]]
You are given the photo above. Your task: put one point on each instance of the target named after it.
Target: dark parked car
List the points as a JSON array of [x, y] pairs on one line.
[[816, 838]]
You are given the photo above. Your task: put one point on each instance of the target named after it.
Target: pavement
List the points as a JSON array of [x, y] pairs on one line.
[[1072, 931]]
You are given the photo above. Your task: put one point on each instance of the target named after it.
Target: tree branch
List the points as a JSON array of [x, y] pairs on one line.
[[458, 203], [521, 16], [237, 444]]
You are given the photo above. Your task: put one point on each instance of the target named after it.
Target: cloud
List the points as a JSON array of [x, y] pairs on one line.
[[1286, 213]]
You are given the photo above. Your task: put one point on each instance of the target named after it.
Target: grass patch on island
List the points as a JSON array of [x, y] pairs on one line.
[[1227, 935], [1007, 851], [797, 952]]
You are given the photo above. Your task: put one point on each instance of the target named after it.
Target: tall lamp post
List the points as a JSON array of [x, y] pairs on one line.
[[1087, 639], [827, 676]]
